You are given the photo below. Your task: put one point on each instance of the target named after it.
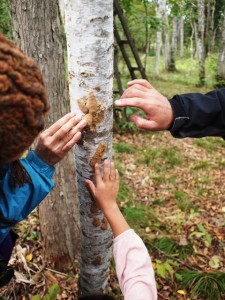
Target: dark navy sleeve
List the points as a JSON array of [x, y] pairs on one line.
[[199, 115]]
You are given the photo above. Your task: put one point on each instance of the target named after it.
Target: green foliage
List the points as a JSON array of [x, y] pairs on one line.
[[183, 201], [201, 165], [36, 297], [206, 143], [5, 22], [171, 156], [170, 247], [124, 194], [209, 285], [32, 236], [126, 4], [203, 233], [139, 215], [52, 293], [165, 269], [122, 147], [127, 126]]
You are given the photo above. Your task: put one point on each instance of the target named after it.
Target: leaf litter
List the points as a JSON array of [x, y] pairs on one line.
[[181, 194]]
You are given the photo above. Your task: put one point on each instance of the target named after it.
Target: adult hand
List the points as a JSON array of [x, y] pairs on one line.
[[58, 139], [141, 94]]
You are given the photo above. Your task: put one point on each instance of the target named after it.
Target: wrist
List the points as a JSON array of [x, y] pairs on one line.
[[170, 116], [111, 210]]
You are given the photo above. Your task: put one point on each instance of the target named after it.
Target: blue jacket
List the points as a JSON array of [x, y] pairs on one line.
[[17, 203], [199, 115]]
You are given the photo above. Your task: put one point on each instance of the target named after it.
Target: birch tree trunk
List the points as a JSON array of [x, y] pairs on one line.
[[197, 47], [201, 45], [147, 39], [167, 52], [191, 40], [221, 57], [173, 48], [89, 31], [181, 36], [158, 37], [37, 31]]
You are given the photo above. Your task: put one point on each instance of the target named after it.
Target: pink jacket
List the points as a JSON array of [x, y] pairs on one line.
[[134, 267]]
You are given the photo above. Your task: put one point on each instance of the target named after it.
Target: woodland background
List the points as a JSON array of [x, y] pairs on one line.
[[171, 191]]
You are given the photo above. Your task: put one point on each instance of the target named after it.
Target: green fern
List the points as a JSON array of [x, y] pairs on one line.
[[208, 285], [171, 247]]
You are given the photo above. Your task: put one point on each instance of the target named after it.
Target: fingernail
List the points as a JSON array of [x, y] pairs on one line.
[[118, 102]]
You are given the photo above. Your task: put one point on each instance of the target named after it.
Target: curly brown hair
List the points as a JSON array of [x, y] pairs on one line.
[[23, 101]]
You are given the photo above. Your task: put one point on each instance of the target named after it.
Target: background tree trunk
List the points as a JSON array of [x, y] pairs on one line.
[[167, 52], [89, 32], [197, 47], [158, 37], [37, 31], [191, 41], [221, 57], [147, 38], [201, 45], [181, 36], [173, 48]]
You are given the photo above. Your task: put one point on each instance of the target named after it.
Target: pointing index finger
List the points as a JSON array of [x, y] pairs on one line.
[[133, 102], [58, 124]]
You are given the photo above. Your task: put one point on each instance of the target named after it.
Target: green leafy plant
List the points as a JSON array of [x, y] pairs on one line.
[[165, 269], [5, 22], [206, 143], [139, 215], [183, 201], [33, 235], [203, 233], [52, 293], [122, 147], [209, 285], [170, 247]]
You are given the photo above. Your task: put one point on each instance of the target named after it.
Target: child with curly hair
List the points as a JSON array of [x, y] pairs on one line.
[[24, 183]]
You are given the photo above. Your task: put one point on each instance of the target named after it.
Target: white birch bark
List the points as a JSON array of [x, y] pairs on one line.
[[174, 35], [197, 50], [201, 46], [89, 32], [158, 37], [191, 40], [181, 36], [173, 48], [221, 56], [167, 52]]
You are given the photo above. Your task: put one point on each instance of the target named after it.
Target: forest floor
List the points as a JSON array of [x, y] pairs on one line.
[[172, 194]]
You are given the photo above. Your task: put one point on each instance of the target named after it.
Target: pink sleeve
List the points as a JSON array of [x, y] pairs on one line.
[[134, 267]]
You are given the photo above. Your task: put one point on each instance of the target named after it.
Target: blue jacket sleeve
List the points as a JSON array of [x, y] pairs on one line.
[[199, 115], [17, 203]]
